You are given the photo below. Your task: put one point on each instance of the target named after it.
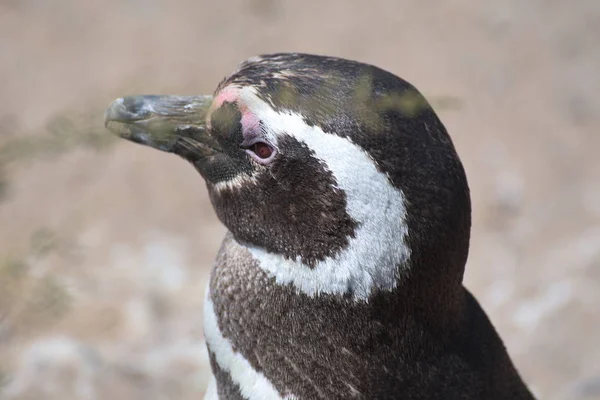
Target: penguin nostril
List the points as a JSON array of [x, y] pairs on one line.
[[262, 150]]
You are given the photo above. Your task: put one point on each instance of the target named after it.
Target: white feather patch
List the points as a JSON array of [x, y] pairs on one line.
[[253, 385], [374, 258], [211, 390], [236, 182]]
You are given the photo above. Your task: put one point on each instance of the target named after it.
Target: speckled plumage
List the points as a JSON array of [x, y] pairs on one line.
[[333, 348], [341, 274]]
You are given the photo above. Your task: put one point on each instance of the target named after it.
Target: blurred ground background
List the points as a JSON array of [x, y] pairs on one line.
[[105, 246]]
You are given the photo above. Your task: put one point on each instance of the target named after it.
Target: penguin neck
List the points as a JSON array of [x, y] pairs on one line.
[[245, 304], [417, 290]]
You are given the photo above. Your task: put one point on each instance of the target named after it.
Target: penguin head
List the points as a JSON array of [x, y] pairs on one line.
[[315, 162]]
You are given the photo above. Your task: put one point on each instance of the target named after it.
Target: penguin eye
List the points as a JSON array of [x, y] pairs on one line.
[[262, 150]]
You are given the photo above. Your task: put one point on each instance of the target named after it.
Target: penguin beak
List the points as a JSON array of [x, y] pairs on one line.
[[175, 124]]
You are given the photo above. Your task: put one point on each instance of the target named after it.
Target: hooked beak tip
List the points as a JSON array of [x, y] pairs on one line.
[[125, 110]]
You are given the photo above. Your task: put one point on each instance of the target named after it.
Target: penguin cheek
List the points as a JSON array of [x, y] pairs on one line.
[[222, 168], [238, 209]]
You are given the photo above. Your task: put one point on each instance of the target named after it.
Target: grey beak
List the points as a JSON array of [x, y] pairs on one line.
[[175, 124]]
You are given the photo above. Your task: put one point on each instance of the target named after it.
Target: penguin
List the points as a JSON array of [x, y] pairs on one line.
[[348, 215]]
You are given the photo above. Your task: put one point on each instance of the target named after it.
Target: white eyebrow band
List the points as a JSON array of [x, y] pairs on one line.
[[374, 258]]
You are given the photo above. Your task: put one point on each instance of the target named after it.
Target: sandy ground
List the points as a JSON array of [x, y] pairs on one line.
[[105, 246]]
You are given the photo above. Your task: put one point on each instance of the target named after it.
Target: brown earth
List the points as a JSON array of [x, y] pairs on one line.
[[105, 246]]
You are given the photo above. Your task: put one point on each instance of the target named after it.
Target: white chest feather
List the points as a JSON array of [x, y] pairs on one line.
[[253, 385]]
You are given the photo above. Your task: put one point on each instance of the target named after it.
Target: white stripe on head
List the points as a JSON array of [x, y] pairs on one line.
[[375, 257], [238, 181], [253, 385]]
